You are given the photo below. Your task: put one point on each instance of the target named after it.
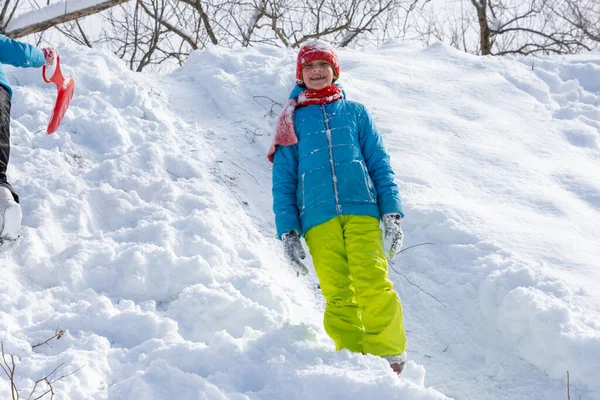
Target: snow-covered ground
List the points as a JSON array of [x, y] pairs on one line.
[[148, 234]]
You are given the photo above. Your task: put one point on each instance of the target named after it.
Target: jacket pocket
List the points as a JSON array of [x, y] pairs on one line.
[[368, 182], [314, 190], [354, 184]]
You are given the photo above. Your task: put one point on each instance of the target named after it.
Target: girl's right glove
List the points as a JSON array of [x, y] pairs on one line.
[[294, 251], [393, 232]]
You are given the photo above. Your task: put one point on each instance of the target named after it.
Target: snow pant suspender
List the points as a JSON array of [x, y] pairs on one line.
[[363, 312], [5, 139]]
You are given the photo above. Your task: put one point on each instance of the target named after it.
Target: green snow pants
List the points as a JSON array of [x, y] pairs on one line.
[[362, 312]]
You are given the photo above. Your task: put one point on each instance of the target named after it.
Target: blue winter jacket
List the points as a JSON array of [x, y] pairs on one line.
[[338, 167], [18, 54]]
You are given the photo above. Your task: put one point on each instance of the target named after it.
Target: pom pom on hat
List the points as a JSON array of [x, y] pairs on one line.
[[316, 50]]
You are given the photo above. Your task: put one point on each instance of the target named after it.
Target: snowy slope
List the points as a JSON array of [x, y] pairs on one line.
[[148, 234]]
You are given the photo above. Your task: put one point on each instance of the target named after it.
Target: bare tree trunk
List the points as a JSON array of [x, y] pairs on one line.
[[485, 43]]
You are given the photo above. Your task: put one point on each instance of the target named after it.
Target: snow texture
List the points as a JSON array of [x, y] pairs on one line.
[[148, 234]]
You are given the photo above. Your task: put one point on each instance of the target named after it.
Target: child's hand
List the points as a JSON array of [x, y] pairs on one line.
[[393, 231], [50, 54], [294, 251]]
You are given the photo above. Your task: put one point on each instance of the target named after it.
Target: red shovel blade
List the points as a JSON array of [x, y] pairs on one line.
[[65, 87]]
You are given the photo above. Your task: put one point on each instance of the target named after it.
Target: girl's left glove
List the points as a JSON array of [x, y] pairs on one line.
[[393, 232]]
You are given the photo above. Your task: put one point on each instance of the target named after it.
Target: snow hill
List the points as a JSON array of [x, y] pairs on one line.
[[148, 234]]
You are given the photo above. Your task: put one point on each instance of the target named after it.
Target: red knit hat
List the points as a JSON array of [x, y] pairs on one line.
[[316, 50]]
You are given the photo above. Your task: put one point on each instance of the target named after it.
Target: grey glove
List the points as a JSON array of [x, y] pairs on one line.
[[393, 232], [294, 251]]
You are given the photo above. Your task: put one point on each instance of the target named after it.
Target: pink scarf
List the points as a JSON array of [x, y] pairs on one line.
[[285, 135]]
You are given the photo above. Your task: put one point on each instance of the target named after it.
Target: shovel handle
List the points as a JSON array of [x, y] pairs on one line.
[[57, 77]]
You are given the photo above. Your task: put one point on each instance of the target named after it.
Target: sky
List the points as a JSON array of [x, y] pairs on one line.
[[148, 234]]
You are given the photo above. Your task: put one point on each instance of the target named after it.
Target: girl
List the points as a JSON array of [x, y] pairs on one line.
[[332, 183]]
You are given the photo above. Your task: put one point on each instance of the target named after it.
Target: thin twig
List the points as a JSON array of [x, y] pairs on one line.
[[75, 157], [10, 373], [254, 135], [408, 280], [175, 175], [69, 374], [44, 379], [267, 97], [58, 334], [418, 287], [49, 382], [273, 103], [414, 245], [246, 172]]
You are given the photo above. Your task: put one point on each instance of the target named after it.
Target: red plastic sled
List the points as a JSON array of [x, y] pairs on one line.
[[65, 87]]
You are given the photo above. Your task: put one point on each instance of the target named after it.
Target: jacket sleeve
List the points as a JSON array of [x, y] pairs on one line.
[[378, 164], [285, 185], [20, 54]]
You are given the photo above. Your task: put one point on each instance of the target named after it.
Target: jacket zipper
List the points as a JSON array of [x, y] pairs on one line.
[[330, 144]]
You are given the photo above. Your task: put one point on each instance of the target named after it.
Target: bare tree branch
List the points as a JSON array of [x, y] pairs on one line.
[[583, 15], [197, 5], [9, 370], [18, 32], [185, 36], [57, 335], [4, 20]]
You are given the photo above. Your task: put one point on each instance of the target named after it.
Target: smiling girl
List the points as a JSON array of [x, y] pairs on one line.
[[332, 184]]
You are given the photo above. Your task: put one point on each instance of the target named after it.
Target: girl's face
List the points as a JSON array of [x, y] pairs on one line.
[[317, 74]]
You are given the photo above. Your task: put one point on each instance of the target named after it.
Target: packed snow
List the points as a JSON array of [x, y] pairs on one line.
[[148, 235]]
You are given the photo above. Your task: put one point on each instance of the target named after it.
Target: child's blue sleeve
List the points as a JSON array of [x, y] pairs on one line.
[[378, 164], [285, 185], [20, 54]]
